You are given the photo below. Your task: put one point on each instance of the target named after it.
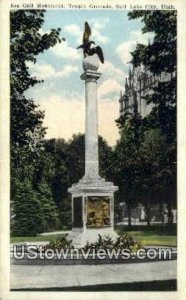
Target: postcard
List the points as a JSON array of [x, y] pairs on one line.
[[92, 152]]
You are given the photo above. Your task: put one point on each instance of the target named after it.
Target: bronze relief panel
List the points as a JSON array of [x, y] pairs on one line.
[[98, 211]]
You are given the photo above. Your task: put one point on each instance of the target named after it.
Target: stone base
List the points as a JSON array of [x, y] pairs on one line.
[[80, 238], [84, 227], [96, 185]]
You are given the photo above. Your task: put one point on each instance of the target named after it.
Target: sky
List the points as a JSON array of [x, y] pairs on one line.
[[62, 94]]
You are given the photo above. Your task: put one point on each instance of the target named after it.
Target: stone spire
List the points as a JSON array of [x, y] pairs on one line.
[[126, 84], [130, 77]]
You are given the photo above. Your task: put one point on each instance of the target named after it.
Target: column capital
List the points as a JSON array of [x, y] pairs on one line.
[[90, 75]]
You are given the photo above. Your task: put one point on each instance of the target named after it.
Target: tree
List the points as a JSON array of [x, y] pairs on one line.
[[27, 132], [65, 212], [48, 207], [106, 159], [27, 210], [127, 164], [142, 169], [161, 54], [26, 42], [155, 141], [75, 152], [35, 210], [51, 171], [152, 157], [63, 164], [160, 58]]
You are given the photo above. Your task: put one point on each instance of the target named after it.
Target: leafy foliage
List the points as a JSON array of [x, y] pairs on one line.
[[59, 243], [63, 164], [160, 57], [26, 42], [127, 164], [123, 241], [161, 54], [34, 209], [48, 207], [33, 204], [27, 210], [146, 152]]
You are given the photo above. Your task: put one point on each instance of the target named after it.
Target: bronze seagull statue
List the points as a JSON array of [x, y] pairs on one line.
[[86, 46]]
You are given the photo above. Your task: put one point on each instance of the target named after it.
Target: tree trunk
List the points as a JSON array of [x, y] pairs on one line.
[[129, 214], [161, 212], [148, 213], [170, 214]]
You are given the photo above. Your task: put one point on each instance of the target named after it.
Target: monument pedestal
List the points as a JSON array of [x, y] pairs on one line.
[[92, 211], [92, 196]]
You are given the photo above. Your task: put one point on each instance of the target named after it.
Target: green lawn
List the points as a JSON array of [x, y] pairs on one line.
[[155, 235], [151, 238], [38, 238]]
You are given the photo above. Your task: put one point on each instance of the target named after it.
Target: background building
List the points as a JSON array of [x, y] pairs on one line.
[[139, 83]]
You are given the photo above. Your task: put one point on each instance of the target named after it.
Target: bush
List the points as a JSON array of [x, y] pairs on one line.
[[122, 242], [26, 207], [34, 210]]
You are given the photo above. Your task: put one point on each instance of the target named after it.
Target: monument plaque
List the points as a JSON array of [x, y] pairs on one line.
[[98, 211]]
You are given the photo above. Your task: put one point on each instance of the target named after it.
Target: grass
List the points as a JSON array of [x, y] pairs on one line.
[[160, 235], [155, 235], [38, 238], [153, 239]]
